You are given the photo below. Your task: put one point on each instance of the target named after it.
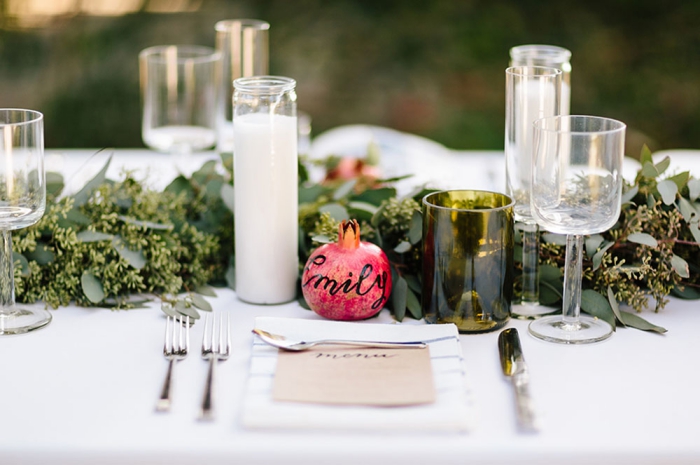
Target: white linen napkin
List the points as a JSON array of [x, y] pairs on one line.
[[452, 411]]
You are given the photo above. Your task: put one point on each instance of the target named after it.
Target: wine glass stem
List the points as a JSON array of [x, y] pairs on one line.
[[7, 277], [572, 280], [531, 255]]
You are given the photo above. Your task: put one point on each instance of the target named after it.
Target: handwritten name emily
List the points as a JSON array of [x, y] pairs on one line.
[[347, 286]]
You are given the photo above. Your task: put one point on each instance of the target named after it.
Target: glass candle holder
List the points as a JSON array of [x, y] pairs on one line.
[[468, 271], [266, 189], [244, 48], [549, 56]]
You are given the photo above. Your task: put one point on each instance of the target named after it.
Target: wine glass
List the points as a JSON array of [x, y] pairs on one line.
[[178, 89], [576, 190], [532, 92], [22, 203]]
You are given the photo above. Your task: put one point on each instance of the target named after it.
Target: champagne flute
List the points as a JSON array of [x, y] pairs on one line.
[[576, 190], [532, 92], [22, 203], [178, 89]]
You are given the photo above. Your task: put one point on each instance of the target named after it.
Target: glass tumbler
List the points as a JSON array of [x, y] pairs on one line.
[[266, 189], [549, 56], [468, 271], [243, 44]]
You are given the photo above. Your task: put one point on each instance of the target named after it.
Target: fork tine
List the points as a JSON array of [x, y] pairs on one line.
[[228, 333], [205, 339], [187, 335], [166, 344]]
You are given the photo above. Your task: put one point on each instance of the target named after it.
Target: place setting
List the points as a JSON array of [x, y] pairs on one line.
[[341, 293]]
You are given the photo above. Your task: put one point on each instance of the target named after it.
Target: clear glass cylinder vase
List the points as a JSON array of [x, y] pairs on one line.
[[265, 171]]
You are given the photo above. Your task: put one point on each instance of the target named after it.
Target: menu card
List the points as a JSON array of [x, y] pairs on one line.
[[355, 376]]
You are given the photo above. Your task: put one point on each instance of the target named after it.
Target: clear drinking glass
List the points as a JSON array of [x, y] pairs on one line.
[[532, 92], [265, 173], [549, 56], [244, 48], [576, 190], [178, 88], [22, 203]]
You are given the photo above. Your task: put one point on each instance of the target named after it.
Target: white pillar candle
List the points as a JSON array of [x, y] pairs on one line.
[[266, 207]]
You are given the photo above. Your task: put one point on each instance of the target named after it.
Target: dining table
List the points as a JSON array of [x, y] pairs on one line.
[[83, 389]]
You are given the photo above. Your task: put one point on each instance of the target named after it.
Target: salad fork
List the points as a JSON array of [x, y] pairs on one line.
[[175, 347], [215, 347]]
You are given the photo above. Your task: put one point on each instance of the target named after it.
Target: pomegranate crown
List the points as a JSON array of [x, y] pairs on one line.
[[349, 234]]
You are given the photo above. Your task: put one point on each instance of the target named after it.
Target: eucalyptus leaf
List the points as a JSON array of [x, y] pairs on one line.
[[54, 183], [549, 273], [92, 287], [303, 303], [592, 244], [93, 236], [685, 292], [687, 209], [649, 170], [200, 302], [644, 239], [367, 207], [186, 310], [663, 165], [311, 194], [399, 297], [168, 309], [403, 247], [645, 155], [145, 224], [413, 305], [42, 254], [680, 266], [668, 190], [21, 261], [630, 194], [598, 306], [415, 231], [680, 179], [557, 239], [377, 216], [344, 190], [206, 290], [83, 194], [135, 258], [694, 189], [598, 257], [695, 229], [322, 239], [74, 216], [337, 211], [614, 305], [376, 196], [549, 294], [227, 196], [635, 321], [413, 283]]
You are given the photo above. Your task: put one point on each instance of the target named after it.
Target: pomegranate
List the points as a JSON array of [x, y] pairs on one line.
[[354, 168], [347, 280]]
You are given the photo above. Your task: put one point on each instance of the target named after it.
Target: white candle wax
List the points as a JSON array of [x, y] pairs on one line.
[[266, 207]]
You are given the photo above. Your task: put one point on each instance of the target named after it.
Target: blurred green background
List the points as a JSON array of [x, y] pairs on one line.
[[433, 68]]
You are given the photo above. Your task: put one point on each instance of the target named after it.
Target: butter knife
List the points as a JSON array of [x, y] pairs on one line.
[[514, 367]]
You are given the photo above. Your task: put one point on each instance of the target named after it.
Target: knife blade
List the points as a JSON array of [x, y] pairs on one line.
[[515, 369]]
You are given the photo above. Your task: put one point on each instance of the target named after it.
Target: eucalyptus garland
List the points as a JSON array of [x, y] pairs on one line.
[[117, 244]]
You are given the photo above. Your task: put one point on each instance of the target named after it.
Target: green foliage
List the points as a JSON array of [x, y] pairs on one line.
[[113, 241]]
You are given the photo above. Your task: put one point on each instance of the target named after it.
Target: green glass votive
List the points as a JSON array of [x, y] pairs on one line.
[[468, 259]]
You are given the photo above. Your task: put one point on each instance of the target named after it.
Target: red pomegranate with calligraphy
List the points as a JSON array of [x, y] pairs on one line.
[[349, 279]]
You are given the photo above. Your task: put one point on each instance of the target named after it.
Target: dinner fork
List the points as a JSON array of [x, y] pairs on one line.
[[215, 347], [175, 347]]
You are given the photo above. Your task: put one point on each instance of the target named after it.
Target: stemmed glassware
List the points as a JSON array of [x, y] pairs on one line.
[[178, 89], [576, 190], [532, 92], [550, 56], [22, 203]]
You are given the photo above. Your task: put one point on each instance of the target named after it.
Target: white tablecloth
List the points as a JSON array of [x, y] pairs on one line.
[[83, 390]]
